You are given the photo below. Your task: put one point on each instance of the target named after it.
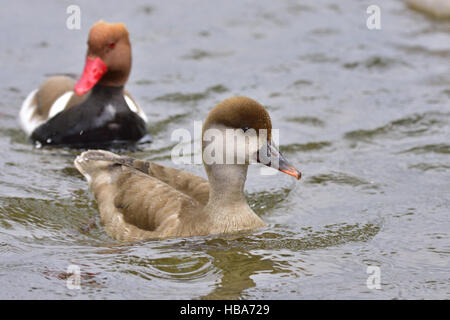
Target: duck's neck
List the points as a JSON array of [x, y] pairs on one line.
[[114, 78], [107, 92], [227, 184], [227, 209]]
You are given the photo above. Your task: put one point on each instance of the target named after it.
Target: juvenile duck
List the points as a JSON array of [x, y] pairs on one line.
[[140, 200], [94, 111]]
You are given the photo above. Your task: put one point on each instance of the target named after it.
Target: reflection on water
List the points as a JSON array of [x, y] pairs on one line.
[[364, 114], [237, 267]]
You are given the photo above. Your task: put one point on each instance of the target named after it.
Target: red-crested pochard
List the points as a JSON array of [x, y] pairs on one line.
[[142, 200], [94, 111]]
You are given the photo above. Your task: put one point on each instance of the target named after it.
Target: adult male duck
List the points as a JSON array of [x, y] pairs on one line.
[[139, 199], [96, 110]]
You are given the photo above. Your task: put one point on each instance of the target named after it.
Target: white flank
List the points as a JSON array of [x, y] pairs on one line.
[[28, 122], [60, 104], [26, 111], [135, 108]]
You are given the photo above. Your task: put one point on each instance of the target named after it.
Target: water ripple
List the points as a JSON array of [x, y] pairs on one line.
[[178, 97], [414, 125], [441, 148], [341, 178]]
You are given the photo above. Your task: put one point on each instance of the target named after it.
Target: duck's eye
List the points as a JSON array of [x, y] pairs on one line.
[[112, 45], [244, 128]]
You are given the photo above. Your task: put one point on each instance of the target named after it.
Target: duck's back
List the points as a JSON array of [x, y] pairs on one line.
[[103, 117], [139, 199], [53, 96]]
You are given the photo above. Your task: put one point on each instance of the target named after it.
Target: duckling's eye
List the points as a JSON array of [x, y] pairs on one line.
[[244, 128], [112, 45]]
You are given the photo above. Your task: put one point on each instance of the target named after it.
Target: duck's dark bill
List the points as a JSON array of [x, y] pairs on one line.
[[94, 70], [277, 161]]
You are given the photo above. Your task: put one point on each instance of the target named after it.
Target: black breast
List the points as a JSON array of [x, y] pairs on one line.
[[102, 119]]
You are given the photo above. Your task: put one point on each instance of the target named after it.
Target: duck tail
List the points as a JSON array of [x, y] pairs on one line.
[[92, 162]]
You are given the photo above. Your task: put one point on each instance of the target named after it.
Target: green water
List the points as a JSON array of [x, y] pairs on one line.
[[365, 115]]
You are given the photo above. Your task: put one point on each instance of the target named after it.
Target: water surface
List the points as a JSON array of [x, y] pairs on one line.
[[365, 115]]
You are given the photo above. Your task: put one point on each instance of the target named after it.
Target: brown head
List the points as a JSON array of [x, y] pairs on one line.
[[248, 119], [240, 113], [108, 59]]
